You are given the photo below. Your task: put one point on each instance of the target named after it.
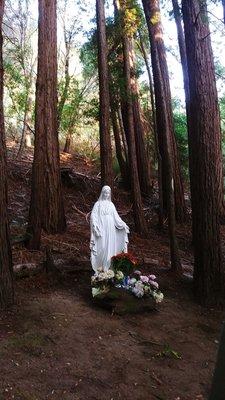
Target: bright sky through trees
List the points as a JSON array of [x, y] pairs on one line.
[[84, 13]]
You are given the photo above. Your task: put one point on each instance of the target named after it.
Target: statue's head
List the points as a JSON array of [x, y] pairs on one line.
[[105, 193]]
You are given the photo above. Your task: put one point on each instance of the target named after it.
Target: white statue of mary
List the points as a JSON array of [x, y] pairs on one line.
[[109, 233]]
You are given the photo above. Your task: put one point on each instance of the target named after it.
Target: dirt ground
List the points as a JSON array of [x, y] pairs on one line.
[[56, 344]]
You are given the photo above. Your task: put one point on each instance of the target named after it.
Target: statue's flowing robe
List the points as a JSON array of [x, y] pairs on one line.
[[113, 231]]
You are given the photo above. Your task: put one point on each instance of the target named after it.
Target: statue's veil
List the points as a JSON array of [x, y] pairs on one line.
[[101, 194]]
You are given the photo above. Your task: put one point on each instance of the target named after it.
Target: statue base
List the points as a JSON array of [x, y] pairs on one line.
[[120, 301]]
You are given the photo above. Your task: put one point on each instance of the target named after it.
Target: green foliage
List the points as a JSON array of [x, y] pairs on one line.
[[180, 125], [168, 352]]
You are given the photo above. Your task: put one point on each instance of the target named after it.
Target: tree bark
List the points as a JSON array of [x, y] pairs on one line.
[[105, 140], [182, 50], [154, 124], [162, 85], [140, 142], [164, 125], [205, 156], [46, 207], [6, 274], [119, 151], [140, 223], [68, 142]]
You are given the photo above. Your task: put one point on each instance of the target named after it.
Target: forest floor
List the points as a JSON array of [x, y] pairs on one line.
[[56, 344]]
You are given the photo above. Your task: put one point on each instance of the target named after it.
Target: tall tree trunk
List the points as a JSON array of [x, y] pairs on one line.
[[145, 57], [182, 50], [154, 124], [141, 148], [120, 154], [46, 207], [162, 85], [105, 140], [140, 223], [6, 275], [183, 57], [205, 155], [66, 75], [164, 124], [119, 151]]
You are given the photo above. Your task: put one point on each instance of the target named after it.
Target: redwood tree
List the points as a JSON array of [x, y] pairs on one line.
[[46, 207], [162, 85], [105, 141], [140, 222], [6, 276], [166, 140], [182, 48], [204, 155]]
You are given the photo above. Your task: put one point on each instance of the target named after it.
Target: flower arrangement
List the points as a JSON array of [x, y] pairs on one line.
[[124, 262], [102, 281], [122, 276], [144, 286]]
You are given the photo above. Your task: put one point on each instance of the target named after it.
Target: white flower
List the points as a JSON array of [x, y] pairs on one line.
[[119, 275], [132, 281], [94, 278], [158, 297], [95, 291], [110, 274]]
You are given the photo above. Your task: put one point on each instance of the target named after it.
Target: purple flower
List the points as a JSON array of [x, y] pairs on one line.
[[154, 284], [144, 279], [152, 277]]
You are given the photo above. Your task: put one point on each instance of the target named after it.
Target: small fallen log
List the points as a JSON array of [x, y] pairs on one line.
[[78, 180], [26, 270]]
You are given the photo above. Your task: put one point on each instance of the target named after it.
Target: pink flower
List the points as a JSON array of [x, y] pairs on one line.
[[144, 279], [152, 277], [154, 284]]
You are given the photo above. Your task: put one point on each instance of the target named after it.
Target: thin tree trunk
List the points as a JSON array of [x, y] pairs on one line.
[[6, 273], [105, 140], [205, 156], [68, 142], [143, 50], [124, 140], [46, 207], [159, 158], [67, 81], [119, 151], [143, 161], [182, 50], [162, 85]]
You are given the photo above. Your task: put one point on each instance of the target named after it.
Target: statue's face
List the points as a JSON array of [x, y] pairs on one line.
[[106, 194]]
